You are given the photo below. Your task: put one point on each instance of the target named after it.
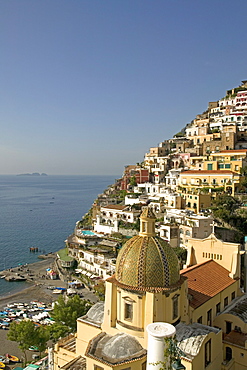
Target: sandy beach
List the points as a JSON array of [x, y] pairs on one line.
[[38, 285], [37, 291]]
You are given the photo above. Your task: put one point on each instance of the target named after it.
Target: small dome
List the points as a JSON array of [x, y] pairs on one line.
[[147, 262], [95, 314], [121, 346], [118, 349]]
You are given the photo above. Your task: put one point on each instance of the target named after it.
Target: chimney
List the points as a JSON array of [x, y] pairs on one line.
[[157, 332]]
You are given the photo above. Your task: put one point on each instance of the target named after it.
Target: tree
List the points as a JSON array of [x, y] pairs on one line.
[[132, 181], [243, 180], [58, 330], [65, 314], [42, 335], [23, 333]]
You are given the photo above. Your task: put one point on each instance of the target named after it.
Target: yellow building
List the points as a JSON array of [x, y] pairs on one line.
[[232, 160], [149, 288], [196, 181]]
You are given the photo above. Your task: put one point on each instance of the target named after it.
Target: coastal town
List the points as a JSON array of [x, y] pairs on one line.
[[162, 252]]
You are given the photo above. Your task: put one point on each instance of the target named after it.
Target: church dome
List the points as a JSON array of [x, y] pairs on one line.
[[146, 261]]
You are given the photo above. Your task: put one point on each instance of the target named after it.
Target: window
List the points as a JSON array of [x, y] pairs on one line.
[[228, 327], [144, 365], [228, 354], [175, 306], [199, 320], [207, 352], [218, 308], [96, 367], [128, 311], [225, 302], [233, 295], [209, 317]]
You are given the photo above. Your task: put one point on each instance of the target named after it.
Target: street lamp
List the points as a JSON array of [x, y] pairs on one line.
[[177, 365]]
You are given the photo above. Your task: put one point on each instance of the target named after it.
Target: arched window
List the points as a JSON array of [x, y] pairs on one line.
[[175, 306], [228, 354]]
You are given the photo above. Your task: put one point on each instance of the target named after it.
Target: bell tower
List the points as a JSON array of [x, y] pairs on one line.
[[147, 222]]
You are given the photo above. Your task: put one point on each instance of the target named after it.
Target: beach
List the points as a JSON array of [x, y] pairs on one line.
[[40, 285], [37, 291]]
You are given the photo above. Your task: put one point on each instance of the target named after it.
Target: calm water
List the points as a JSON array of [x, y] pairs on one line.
[[41, 212]]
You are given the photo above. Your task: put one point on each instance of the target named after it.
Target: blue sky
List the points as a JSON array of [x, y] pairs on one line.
[[89, 86]]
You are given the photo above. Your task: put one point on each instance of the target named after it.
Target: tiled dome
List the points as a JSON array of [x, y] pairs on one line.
[[146, 261]]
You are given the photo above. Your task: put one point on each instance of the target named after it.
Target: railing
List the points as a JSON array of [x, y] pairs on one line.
[[65, 339]]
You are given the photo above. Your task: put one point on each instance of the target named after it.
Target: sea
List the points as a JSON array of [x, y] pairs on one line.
[[41, 212]]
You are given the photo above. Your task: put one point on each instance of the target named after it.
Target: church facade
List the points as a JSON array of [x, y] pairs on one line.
[[203, 302]]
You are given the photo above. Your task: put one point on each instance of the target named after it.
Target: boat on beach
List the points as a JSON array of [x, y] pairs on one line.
[[4, 360], [12, 358]]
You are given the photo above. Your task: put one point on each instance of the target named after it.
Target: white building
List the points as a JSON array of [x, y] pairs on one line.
[[97, 263], [107, 221], [188, 225], [171, 179]]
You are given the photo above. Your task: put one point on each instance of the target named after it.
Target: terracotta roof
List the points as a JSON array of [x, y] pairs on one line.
[[205, 172], [235, 338], [234, 151], [115, 206], [206, 280]]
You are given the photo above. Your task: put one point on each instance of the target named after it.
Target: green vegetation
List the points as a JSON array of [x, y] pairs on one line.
[[172, 354], [99, 289], [86, 220], [243, 180], [181, 254], [129, 225], [132, 181], [65, 314], [179, 134], [26, 334], [227, 210], [63, 254]]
